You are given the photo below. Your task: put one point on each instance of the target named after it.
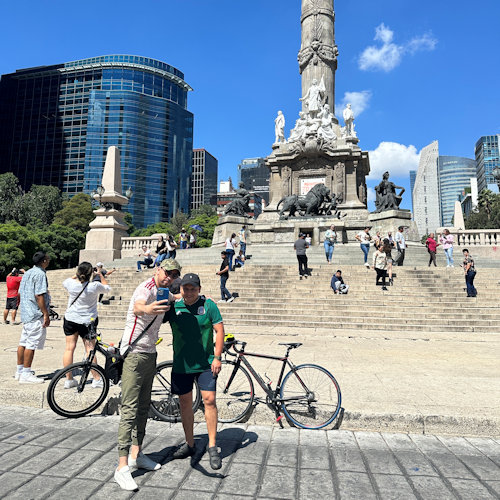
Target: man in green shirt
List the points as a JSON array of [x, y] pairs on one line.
[[193, 318]]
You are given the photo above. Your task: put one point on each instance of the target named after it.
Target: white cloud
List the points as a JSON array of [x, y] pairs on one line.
[[358, 100], [397, 158], [371, 194], [389, 55]]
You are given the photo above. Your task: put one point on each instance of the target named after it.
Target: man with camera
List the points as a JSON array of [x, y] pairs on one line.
[[144, 319], [13, 281]]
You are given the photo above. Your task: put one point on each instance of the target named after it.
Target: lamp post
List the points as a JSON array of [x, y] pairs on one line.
[[496, 176], [129, 193], [98, 192]]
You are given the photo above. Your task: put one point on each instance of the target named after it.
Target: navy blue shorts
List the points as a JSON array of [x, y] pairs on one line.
[[182, 383]]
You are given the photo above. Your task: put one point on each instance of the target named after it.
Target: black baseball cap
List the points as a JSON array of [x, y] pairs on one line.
[[191, 279]]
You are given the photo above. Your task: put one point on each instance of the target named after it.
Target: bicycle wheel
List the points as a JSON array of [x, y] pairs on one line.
[[310, 396], [164, 404], [234, 393], [82, 399]]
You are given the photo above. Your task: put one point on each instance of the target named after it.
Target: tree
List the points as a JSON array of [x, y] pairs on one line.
[[203, 210], [158, 228], [130, 225], [39, 205], [487, 213], [63, 244], [10, 194], [18, 244], [178, 221], [76, 213]]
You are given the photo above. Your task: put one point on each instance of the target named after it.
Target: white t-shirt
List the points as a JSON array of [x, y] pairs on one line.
[[134, 325], [242, 236], [364, 237], [401, 240], [192, 238], [230, 244], [85, 307], [308, 240]]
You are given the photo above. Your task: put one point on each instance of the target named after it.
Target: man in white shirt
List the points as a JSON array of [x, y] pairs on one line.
[[243, 240], [148, 259], [400, 245], [364, 239]]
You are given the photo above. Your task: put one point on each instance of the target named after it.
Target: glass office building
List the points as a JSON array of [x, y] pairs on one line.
[[56, 123], [254, 173], [487, 159], [455, 173], [204, 179]]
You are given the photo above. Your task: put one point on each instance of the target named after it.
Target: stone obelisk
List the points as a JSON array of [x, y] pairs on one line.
[[318, 52]]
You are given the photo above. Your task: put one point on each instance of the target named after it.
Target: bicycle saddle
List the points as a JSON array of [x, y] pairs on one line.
[[292, 345]]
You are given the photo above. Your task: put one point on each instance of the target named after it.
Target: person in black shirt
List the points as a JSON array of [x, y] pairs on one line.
[[300, 248], [224, 275]]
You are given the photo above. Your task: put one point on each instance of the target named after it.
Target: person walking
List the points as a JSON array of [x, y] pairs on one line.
[[183, 239], [300, 249], [329, 243], [447, 240], [148, 259], [223, 272], [380, 265], [377, 240], [144, 319], [431, 245], [364, 242], [34, 293], [242, 235], [13, 281], [387, 249], [470, 273], [230, 249], [401, 246], [193, 319]]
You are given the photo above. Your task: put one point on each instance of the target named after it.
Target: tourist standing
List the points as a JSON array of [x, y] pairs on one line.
[[223, 272], [242, 235], [308, 239], [183, 238], [380, 265], [300, 249], [13, 281], [171, 247], [193, 319], [377, 240], [400, 245], [431, 245], [230, 249], [192, 239], [447, 241], [34, 293], [470, 273], [364, 239], [144, 319], [329, 243], [387, 249]]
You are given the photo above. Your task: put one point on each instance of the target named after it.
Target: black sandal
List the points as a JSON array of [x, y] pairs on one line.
[[215, 458]]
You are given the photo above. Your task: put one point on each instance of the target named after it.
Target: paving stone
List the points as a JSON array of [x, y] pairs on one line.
[[459, 445], [149, 492], [258, 433], [370, 441], [482, 466], [39, 486], [348, 459], [193, 495], [102, 468], [171, 474], [5, 447], [76, 440], [278, 482], [315, 484], [78, 460], [76, 489], [231, 432], [53, 437], [285, 436], [43, 460], [470, 490], [399, 442], [341, 439], [314, 457], [428, 444], [203, 478], [449, 465], [254, 453], [414, 463], [111, 490], [313, 438], [26, 436], [12, 480], [353, 485], [104, 441], [495, 486], [18, 455], [394, 487], [224, 496], [282, 454], [487, 446], [241, 479], [381, 462], [9, 429], [431, 488]]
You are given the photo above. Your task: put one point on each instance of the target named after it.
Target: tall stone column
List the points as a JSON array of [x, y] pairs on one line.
[[318, 52]]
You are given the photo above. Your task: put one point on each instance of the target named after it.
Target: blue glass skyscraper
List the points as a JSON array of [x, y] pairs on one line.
[[58, 121], [487, 159]]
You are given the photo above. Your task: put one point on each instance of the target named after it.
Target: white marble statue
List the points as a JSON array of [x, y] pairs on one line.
[[314, 96], [325, 130], [279, 128], [348, 116], [299, 131]]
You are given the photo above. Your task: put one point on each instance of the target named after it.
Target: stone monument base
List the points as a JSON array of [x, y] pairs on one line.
[[390, 220], [229, 224], [102, 245]]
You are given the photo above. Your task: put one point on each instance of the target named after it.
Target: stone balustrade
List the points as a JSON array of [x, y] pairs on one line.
[[476, 237], [132, 245]]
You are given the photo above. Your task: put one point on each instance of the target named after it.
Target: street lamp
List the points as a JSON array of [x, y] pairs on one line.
[[98, 192], [129, 193], [496, 176]]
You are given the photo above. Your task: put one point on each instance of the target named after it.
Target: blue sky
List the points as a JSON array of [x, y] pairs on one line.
[[415, 71]]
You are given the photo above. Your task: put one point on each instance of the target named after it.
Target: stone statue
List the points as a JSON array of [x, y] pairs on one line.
[[314, 97], [349, 121], [310, 204], [239, 206], [299, 131], [325, 130], [279, 128], [386, 196]]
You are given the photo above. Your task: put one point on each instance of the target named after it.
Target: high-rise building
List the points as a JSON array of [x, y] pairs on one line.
[[254, 173], [487, 159], [413, 176], [56, 123], [454, 175], [203, 179]]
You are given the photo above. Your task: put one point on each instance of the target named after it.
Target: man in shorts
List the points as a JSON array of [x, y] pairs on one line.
[[139, 370], [13, 281], [193, 319], [35, 300]]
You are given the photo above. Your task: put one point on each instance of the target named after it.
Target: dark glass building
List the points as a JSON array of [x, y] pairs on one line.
[[254, 173], [56, 123], [487, 159], [204, 179]]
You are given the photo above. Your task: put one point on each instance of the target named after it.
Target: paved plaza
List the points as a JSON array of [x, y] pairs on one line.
[[45, 456]]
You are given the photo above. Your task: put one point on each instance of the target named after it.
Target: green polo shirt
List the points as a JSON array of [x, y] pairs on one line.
[[192, 330]]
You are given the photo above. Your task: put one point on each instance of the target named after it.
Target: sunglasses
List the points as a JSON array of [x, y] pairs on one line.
[[172, 274]]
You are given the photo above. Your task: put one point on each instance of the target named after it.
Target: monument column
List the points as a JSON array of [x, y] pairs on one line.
[[318, 52]]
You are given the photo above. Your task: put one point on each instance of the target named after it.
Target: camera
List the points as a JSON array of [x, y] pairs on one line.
[[95, 269]]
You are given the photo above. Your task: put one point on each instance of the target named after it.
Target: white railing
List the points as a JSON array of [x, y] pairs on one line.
[[476, 237], [132, 245]]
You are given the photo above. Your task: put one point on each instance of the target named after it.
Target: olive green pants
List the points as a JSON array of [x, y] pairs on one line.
[[137, 379]]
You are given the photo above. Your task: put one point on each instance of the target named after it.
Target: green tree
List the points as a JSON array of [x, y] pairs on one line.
[[203, 210], [487, 213], [39, 205], [18, 244], [178, 221], [130, 225], [63, 244], [158, 228], [76, 213], [10, 194]]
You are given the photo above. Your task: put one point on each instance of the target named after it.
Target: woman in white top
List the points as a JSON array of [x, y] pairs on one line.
[[330, 240], [81, 313], [364, 239], [308, 239], [380, 265], [230, 247]]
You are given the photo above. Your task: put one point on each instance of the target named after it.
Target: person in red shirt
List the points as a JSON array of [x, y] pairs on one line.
[[13, 281], [431, 245]]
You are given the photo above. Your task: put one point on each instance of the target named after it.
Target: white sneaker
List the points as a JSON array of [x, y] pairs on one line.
[[97, 384], [221, 301], [124, 478], [230, 299], [30, 378], [68, 384], [17, 375], [143, 462], [366, 264]]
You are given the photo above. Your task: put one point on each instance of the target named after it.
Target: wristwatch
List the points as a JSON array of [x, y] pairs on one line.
[[217, 357]]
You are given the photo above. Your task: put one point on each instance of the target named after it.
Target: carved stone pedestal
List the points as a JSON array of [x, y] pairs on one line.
[[390, 220], [229, 224]]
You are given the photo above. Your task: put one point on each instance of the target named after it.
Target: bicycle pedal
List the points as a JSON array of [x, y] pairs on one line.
[[279, 418]]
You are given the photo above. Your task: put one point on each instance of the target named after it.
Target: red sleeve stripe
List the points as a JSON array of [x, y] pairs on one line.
[[133, 330]]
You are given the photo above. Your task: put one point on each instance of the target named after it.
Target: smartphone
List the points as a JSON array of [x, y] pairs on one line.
[[162, 294]]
